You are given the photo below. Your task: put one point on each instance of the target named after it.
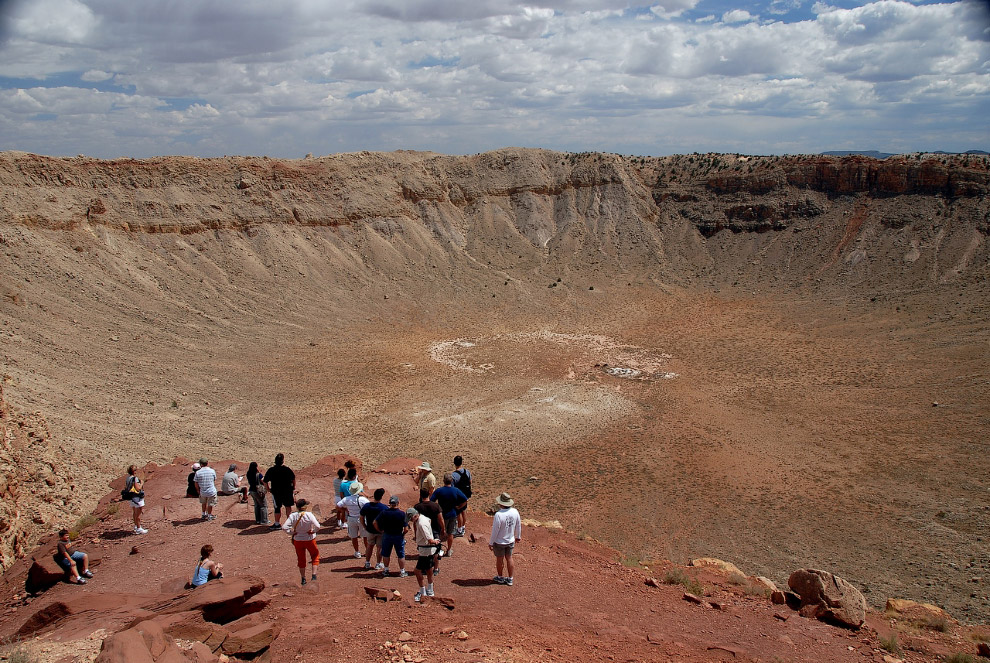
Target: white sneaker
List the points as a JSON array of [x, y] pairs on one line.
[[429, 592], [379, 566], [403, 574], [367, 565], [419, 595], [450, 553], [357, 554], [140, 530]]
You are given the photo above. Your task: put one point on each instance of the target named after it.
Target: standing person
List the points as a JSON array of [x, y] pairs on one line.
[[506, 533], [450, 500], [434, 513], [336, 492], [353, 504], [206, 481], [392, 524], [427, 545], [134, 489], [207, 569], [281, 483], [191, 489], [373, 537], [231, 484], [425, 479], [303, 526], [462, 481], [345, 490], [258, 492], [71, 559]]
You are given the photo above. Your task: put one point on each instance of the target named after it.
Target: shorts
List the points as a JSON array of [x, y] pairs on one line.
[[135, 502], [503, 549], [206, 501], [450, 524], [425, 561], [374, 538], [283, 500], [354, 528], [396, 541], [77, 558]]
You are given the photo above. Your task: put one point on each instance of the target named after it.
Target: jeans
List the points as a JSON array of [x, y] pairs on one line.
[[260, 507]]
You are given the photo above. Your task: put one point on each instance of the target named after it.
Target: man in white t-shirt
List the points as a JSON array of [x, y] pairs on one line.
[[353, 504], [206, 481], [506, 533]]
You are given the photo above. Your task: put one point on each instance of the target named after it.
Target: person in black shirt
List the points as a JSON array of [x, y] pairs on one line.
[[281, 483], [432, 511]]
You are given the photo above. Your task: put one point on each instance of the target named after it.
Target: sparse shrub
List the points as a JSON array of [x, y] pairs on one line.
[[960, 657], [678, 577], [113, 508], [82, 524], [940, 624], [737, 579], [890, 644]]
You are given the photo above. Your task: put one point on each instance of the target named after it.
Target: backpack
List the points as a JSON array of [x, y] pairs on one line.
[[462, 481], [130, 491]]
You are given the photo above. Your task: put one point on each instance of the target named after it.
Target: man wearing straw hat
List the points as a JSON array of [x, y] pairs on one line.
[[353, 504], [426, 480], [506, 533]]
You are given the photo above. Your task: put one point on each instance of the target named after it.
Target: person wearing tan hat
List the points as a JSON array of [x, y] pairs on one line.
[[426, 480], [506, 533], [353, 504]]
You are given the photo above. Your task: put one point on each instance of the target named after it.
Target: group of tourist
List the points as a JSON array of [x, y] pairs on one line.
[[435, 521]]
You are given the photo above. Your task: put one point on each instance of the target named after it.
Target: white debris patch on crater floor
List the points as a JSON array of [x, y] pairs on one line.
[[582, 354]]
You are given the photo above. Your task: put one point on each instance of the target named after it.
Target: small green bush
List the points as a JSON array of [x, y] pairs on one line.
[[960, 657], [678, 577], [890, 644]]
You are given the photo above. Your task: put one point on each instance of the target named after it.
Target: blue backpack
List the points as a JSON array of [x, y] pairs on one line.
[[462, 480]]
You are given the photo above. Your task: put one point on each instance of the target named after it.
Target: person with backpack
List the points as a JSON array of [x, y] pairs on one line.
[[258, 493], [303, 526], [462, 481], [352, 505], [372, 536], [450, 500]]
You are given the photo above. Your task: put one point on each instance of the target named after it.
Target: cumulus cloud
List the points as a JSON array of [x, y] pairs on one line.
[[287, 78]]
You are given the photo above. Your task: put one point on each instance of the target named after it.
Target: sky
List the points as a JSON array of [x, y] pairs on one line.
[[287, 78]]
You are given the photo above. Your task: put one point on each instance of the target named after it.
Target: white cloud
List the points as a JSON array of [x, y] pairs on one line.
[[737, 16], [252, 76]]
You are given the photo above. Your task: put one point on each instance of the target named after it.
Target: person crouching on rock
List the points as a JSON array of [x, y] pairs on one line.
[[231, 484], [191, 489], [207, 569], [303, 526], [70, 559]]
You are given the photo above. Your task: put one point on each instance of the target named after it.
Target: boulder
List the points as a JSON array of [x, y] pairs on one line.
[[834, 599], [711, 562], [44, 618], [251, 641], [154, 637], [381, 594], [925, 613], [763, 582], [222, 600], [125, 647], [43, 574], [983, 649]]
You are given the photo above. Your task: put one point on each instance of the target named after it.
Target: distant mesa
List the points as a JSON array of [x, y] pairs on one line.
[[883, 155]]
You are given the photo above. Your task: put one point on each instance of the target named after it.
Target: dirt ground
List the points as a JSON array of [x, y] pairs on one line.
[[778, 422]]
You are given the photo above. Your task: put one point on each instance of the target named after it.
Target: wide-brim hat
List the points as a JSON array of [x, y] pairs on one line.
[[504, 500], [425, 466], [356, 487]]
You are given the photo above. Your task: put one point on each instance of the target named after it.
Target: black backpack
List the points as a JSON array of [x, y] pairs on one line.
[[462, 481]]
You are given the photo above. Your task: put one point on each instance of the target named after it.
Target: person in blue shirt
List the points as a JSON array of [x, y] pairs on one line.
[[392, 524], [451, 501], [207, 569], [372, 537]]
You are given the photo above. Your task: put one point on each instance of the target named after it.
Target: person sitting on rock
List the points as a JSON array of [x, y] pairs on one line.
[[207, 569], [71, 560], [192, 490], [231, 484]]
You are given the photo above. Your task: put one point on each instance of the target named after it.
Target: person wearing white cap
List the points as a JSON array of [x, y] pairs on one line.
[[353, 504], [192, 490], [506, 533], [426, 480]]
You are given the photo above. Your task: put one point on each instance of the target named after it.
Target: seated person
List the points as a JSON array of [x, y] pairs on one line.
[[207, 569], [192, 490], [231, 484], [72, 560]]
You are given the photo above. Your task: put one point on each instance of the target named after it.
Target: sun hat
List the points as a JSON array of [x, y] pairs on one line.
[[356, 487], [504, 500], [196, 466], [394, 499], [425, 466]]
